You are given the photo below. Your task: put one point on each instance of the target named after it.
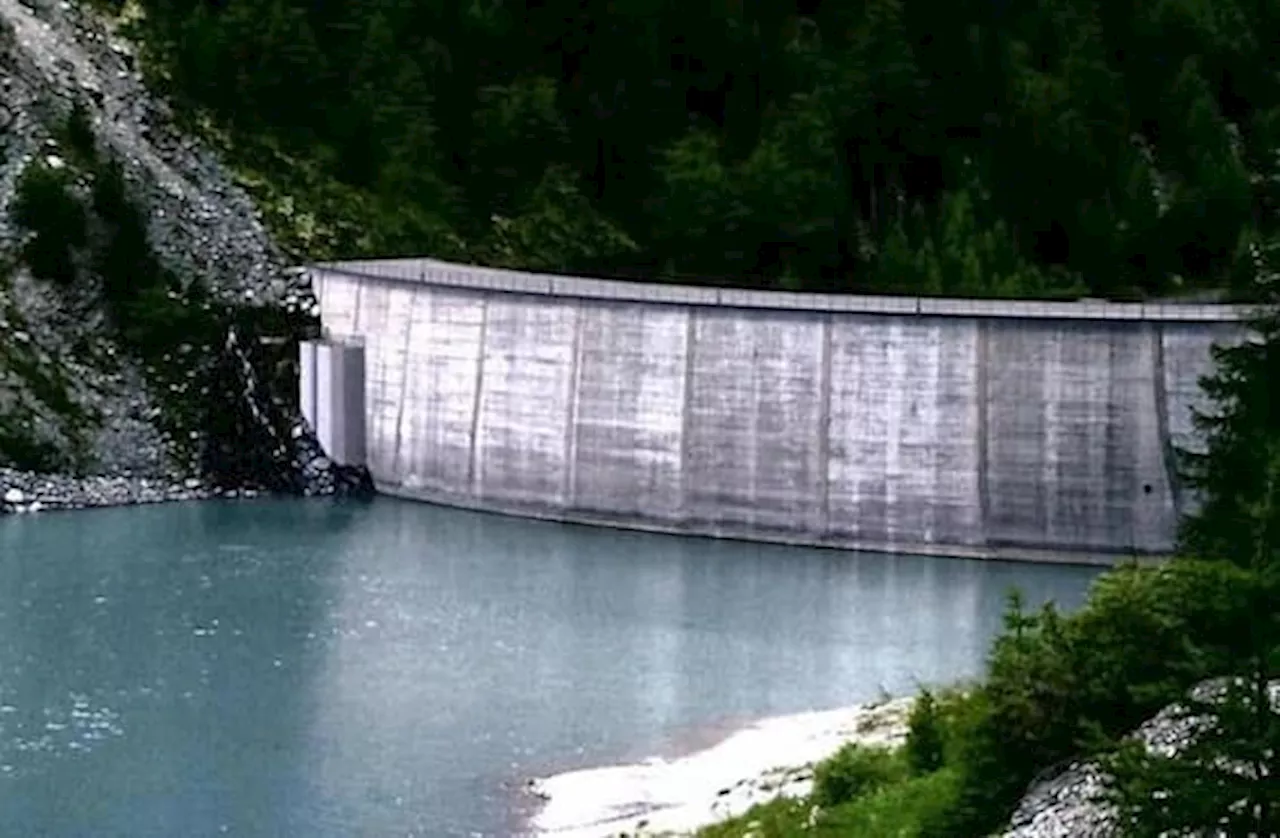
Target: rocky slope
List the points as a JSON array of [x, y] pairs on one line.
[[147, 321], [1071, 804]]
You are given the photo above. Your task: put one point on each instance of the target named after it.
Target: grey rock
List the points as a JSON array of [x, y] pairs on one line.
[[201, 226], [1071, 804]]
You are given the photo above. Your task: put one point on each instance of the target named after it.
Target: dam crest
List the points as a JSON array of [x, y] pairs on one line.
[[983, 428]]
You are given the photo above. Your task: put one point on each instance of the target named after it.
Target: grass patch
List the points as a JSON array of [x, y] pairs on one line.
[[779, 818], [855, 771], [901, 806], [904, 809], [874, 792]]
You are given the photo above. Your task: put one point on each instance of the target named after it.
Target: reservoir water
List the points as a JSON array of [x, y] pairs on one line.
[[329, 670]]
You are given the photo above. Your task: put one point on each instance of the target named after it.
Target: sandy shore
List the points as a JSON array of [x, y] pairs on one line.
[[770, 758]]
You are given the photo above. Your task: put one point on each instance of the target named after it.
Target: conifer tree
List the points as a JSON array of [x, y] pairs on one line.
[[1229, 477], [1223, 778]]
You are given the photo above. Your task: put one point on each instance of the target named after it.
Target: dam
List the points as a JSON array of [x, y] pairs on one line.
[[975, 428]]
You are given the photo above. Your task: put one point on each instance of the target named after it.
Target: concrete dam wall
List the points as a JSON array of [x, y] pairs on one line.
[[958, 427]]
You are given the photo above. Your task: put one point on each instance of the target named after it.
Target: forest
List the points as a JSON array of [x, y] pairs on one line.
[[1055, 148]]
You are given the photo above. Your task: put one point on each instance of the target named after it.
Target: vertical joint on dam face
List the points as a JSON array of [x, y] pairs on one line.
[[990, 428], [983, 395], [823, 471], [332, 384]]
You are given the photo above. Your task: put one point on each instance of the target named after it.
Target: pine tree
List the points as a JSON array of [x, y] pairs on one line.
[[1226, 475], [1225, 778]]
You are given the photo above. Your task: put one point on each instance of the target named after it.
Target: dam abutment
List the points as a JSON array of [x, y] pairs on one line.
[[965, 427]]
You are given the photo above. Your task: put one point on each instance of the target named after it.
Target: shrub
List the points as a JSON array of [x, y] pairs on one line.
[[19, 447], [924, 736], [56, 220], [1062, 686], [854, 771], [899, 810], [783, 817]]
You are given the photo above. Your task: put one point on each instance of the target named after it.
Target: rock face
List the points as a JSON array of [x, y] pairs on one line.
[[1070, 804], [148, 323]]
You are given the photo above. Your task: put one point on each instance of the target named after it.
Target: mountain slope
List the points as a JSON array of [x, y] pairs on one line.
[[147, 320]]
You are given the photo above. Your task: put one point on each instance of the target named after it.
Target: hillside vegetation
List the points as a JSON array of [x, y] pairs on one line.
[[1055, 147]]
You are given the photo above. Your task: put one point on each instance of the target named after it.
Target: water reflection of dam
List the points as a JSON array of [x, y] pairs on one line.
[[964, 427]]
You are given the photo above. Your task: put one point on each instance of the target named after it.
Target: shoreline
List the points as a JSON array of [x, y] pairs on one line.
[[24, 492], [769, 758]]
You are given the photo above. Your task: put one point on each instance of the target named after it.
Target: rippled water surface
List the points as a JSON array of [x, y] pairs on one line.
[[323, 670]]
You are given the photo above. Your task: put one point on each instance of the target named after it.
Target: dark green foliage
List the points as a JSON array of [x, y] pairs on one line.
[[894, 145], [45, 383], [555, 230], [76, 136], [1061, 686], [55, 220], [854, 772], [124, 261], [956, 255], [924, 748], [1228, 777], [18, 449], [1240, 427], [47, 207]]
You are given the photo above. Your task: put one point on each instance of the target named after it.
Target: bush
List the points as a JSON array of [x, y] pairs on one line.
[[854, 771], [75, 135], [1061, 686], [783, 817], [20, 449], [56, 220], [901, 810], [924, 736], [125, 261], [898, 809]]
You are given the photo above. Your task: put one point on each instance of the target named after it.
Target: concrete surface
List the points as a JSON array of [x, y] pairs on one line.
[[1000, 429], [332, 383]]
